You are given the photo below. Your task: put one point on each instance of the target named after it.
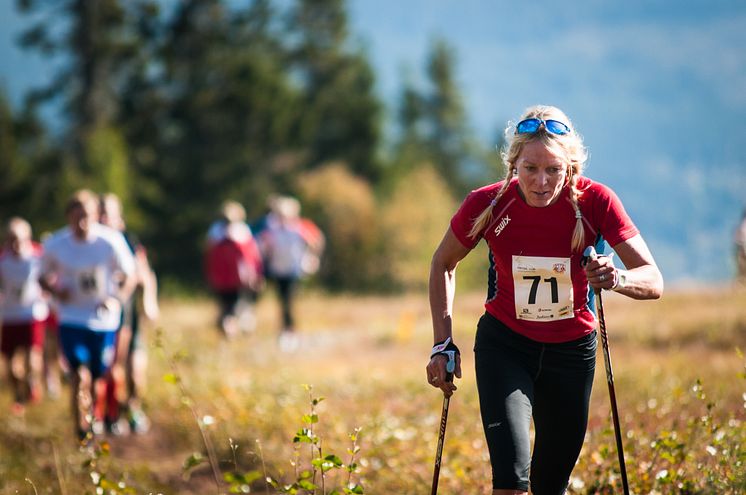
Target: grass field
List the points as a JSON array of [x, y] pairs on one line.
[[679, 377]]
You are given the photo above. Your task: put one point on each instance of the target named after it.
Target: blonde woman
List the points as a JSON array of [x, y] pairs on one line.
[[535, 347]]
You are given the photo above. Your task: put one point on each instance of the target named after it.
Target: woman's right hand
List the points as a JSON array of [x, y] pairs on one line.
[[437, 374]]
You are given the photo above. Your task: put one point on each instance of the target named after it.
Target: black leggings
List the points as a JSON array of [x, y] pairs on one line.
[[518, 379], [286, 287]]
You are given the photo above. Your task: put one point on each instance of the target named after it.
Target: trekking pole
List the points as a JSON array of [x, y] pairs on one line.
[[450, 366], [590, 253]]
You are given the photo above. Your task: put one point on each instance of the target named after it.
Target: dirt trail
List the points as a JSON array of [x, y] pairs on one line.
[[153, 452]]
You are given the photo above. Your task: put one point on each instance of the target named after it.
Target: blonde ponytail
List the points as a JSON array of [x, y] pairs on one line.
[[578, 233], [485, 218]]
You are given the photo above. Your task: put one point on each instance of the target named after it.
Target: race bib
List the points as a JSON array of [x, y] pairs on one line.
[[15, 294], [543, 288], [90, 285], [20, 293]]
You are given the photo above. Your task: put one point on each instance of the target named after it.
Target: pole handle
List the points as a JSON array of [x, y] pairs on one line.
[[589, 254], [450, 365]]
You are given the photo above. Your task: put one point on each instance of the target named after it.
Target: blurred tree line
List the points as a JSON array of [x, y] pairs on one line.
[[177, 106]]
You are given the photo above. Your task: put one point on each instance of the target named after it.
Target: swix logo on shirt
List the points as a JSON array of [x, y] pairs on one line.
[[503, 223]]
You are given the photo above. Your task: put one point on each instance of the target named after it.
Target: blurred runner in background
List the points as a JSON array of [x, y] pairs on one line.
[[24, 313], [233, 268], [126, 383], [740, 245], [291, 248], [55, 366], [89, 270]]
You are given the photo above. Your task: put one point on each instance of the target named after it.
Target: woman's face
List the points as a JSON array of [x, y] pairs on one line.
[[541, 174]]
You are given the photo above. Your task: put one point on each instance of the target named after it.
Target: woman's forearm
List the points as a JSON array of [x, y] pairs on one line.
[[644, 282], [442, 290], [442, 286]]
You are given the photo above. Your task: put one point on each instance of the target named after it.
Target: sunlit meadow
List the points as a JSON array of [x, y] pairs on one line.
[[351, 412]]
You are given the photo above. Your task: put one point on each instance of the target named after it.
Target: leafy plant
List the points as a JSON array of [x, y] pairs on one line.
[[321, 463], [313, 478]]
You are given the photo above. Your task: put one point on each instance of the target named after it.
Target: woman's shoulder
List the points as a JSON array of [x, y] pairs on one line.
[[489, 191], [57, 238], [597, 197], [478, 199], [483, 190], [591, 188]]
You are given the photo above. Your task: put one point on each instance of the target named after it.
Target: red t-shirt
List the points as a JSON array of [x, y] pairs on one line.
[[228, 262], [537, 286]]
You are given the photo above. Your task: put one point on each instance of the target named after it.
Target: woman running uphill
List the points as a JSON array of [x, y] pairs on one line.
[[535, 347]]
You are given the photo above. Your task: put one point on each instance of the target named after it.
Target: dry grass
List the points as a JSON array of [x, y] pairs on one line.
[[366, 356]]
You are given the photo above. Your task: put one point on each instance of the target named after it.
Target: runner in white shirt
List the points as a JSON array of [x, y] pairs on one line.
[[88, 269], [284, 250], [126, 383], [23, 311]]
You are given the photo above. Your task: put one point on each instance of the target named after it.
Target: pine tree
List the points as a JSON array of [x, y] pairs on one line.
[[434, 127], [341, 115], [97, 45]]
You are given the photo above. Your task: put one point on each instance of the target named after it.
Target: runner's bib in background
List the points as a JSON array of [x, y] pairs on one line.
[[90, 286], [543, 288]]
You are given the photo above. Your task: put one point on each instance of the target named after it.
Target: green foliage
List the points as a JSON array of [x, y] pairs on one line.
[[28, 181], [322, 464], [694, 452], [345, 209], [340, 114], [15, 175], [177, 108], [413, 221], [435, 128]]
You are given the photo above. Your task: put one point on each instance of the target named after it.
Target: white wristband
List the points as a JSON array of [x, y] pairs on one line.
[[621, 280]]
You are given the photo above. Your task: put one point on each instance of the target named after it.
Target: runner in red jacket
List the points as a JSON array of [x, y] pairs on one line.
[[233, 268]]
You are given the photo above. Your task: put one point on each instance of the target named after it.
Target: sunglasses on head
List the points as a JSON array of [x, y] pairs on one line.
[[529, 126]]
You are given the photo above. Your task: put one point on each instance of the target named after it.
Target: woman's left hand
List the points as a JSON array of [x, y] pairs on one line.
[[601, 273], [437, 374]]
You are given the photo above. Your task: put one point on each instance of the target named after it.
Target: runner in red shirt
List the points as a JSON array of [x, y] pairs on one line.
[[535, 347], [233, 268]]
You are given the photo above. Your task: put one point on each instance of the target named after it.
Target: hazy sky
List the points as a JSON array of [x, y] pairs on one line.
[[657, 88]]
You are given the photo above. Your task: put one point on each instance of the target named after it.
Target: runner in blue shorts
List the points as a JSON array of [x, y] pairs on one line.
[[88, 270], [535, 347]]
